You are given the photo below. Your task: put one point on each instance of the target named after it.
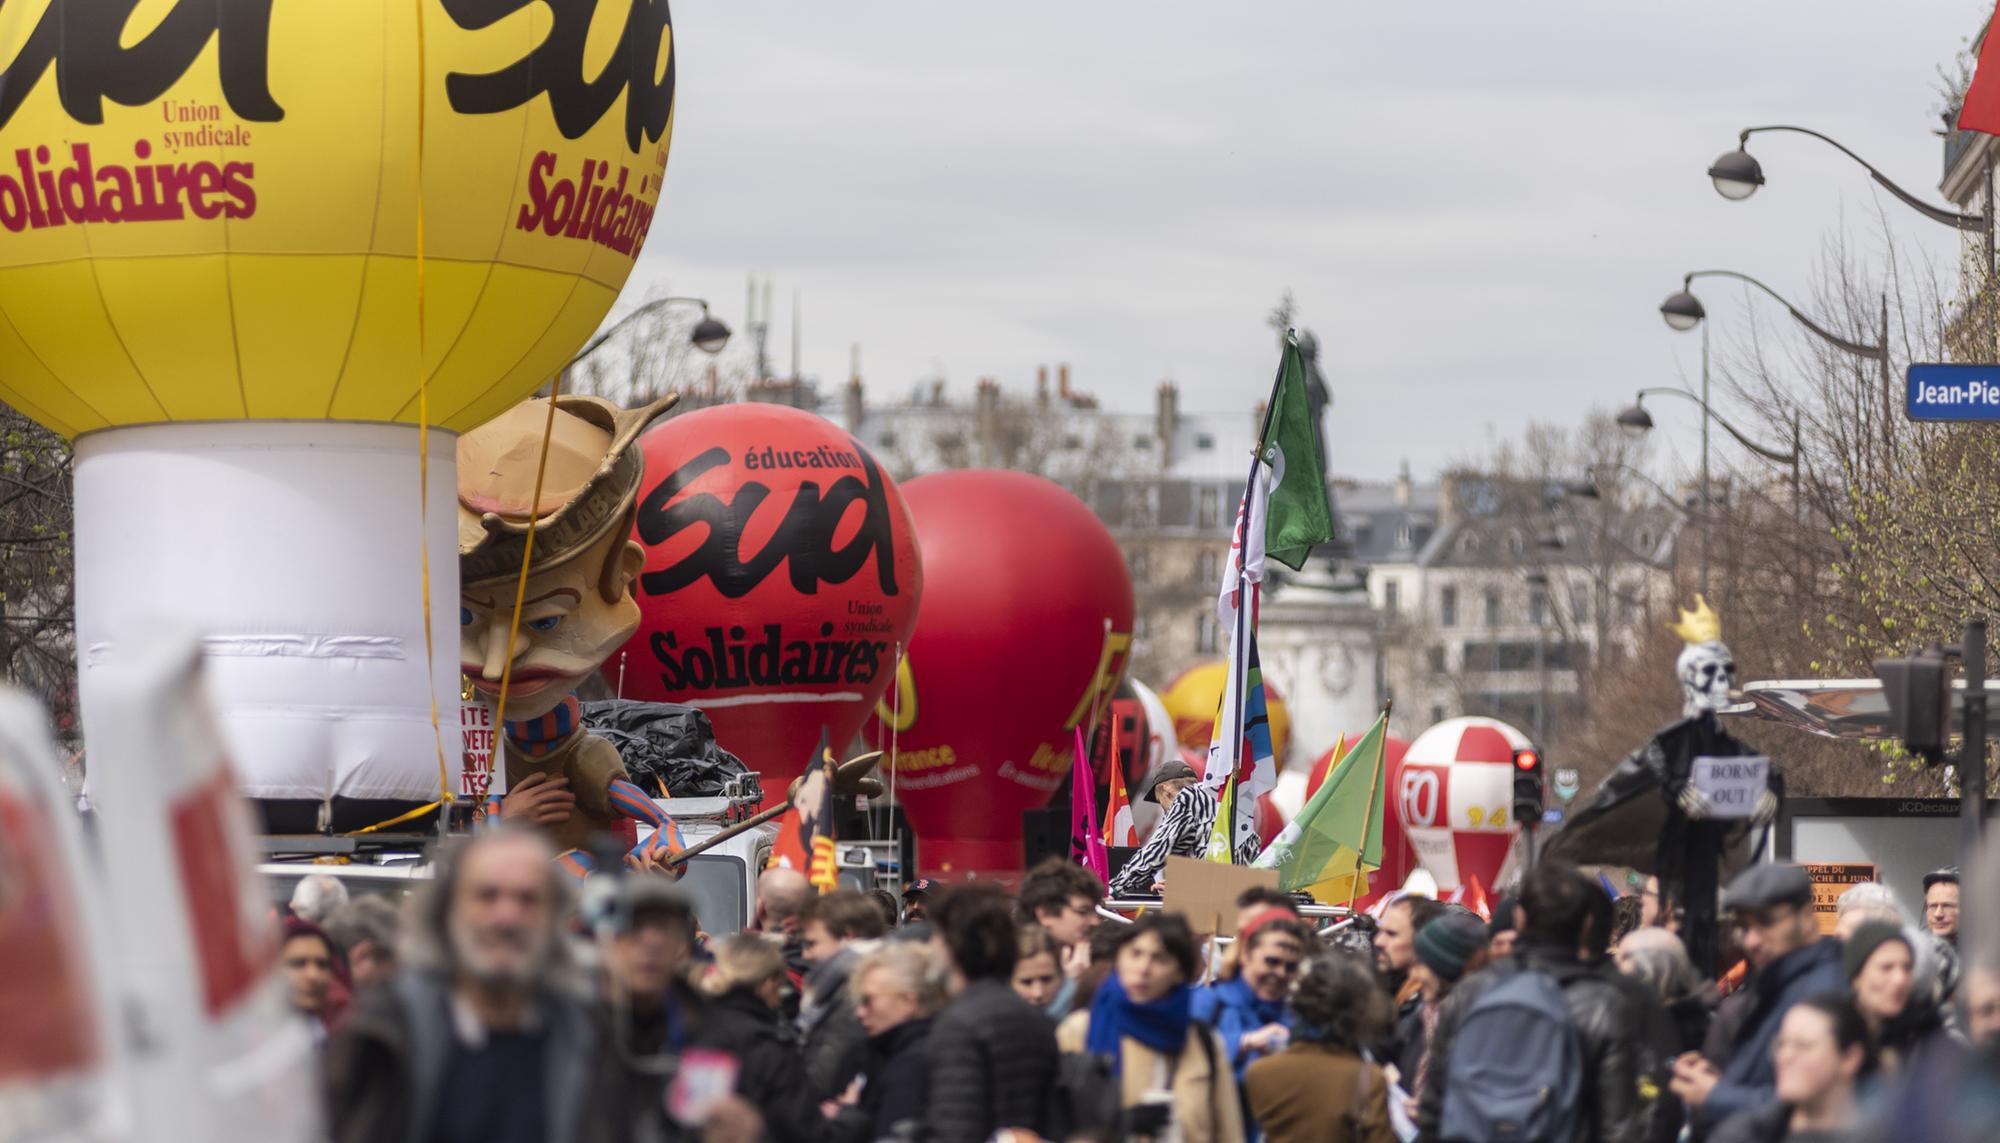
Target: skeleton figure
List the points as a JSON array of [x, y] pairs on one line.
[[1708, 674], [1650, 815]]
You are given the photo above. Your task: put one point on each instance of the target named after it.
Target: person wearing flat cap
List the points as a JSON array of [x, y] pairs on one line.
[[1771, 906], [1183, 830]]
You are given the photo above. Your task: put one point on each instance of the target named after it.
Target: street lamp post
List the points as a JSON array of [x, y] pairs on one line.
[[708, 335], [1738, 174], [1637, 420], [1683, 311]]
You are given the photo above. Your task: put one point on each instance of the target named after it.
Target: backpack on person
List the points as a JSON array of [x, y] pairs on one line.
[[1516, 1068]]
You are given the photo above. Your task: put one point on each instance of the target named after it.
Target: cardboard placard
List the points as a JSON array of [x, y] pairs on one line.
[[475, 721], [1828, 883], [1205, 892], [1732, 785]]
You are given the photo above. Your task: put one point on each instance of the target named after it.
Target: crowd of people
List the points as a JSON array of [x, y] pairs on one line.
[[494, 1006]]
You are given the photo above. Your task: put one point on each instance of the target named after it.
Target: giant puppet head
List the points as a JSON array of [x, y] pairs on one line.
[[1706, 669], [577, 607]]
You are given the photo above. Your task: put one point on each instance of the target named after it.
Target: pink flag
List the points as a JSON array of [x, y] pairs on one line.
[[1086, 848]]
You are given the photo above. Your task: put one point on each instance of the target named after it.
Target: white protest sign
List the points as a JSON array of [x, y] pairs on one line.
[[1731, 785]]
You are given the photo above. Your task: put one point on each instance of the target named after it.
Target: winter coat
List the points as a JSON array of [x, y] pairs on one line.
[[1749, 1077], [384, 1068], [992, 1064], [1231, 1009], [1406, 1043], [1766, 1124], [770, 1074], [834, 1044], [1307, 1094], [1206, 1106], [1610, 1107], [896, 1078]]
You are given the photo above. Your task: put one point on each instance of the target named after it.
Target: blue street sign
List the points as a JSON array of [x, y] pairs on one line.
[[1953, 393]]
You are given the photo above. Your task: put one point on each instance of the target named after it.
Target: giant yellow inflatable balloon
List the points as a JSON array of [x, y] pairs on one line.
[[1195, 694], [209, 208]]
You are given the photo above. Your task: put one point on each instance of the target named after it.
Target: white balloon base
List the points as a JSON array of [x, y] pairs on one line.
[[294, 548]]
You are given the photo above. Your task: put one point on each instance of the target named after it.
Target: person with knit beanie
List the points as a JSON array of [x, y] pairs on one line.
[[1447, 949], [1893, 990]]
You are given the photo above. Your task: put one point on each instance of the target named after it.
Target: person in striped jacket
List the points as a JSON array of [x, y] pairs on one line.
[[1183, 831]]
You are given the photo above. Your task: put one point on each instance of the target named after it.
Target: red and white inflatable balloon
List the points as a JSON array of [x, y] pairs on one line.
[[781, 573], [1454, 798], [1398, 858], [1025, 631]]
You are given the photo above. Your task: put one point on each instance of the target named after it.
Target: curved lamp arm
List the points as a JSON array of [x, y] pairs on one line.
[[652, 307], [1671, 500], [1872, 352], [1934, 213], [1769, 454]]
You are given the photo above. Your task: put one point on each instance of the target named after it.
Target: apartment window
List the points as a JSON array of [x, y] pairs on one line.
[[1538, 607], [1580, 604], [1204, 441], [1142, 565], [1206, 631], [1434, 658], [1514, 544], [1072, 441], [1139, 628], [1208, 567], [1493, 607], [887, 439], [1402, 535], [1209, 513], [1143, 443], [1392, 596], [1448, 607], [1437, 713], [1470, 544]]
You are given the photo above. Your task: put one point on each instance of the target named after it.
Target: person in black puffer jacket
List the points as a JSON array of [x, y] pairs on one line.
[[742, 1019], [897, 994], [992, 1054]]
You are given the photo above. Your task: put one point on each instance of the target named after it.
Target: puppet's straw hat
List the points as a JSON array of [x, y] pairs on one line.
[[588, 488]]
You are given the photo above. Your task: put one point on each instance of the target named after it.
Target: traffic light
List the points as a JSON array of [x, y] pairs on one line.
[[1527, 787], [1919, 692]]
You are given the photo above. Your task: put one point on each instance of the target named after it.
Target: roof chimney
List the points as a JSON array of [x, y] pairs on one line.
[[1042, 385], [1404, 489], [1062, 382], [1166, 420]]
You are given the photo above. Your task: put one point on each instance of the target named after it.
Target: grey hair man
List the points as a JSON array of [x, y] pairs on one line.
[[314, 898], [366, 930], [481, 1031]]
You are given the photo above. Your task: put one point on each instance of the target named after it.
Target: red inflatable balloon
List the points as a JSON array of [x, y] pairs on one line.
[[781, 572], [1026, 627], [1399, 859]]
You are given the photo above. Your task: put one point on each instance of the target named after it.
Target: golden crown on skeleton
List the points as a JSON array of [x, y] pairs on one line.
[[1702, 625]]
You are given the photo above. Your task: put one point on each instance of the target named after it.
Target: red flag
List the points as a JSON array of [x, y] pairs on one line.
[[1472, 897], [798, 830], [1118, 827], [1981, 109]]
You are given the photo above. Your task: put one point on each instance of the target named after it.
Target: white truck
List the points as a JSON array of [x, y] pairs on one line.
[[722, 879]]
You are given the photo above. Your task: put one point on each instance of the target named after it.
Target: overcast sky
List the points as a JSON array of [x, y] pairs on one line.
[[1479, 206]]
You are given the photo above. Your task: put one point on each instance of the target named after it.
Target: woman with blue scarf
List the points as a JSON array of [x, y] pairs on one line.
[[1248, 1009], [1172, 1070]]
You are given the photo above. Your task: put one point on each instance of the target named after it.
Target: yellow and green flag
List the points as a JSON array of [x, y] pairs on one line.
[[1329, 849]]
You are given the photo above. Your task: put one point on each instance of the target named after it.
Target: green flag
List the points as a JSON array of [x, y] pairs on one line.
[[1323, 850], [1298, 516]]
